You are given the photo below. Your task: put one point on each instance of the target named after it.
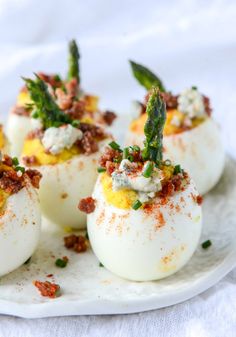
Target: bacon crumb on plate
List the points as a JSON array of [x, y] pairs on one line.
[[48, 289]]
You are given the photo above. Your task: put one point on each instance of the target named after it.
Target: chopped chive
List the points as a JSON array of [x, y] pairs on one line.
[[101, 169], [61, 263], [194, 87], [57, 78], [20, 168], [206, 244], [130, 157], [115, 146], [35, 114], [116, 160], [101, 265], [135, 148], [125, 153], [167, 162], [75, 123], [15, 161], [136, 205], [177, 169], [148, 168]]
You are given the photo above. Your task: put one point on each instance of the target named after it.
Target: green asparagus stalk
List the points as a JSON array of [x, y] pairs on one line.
[[145, 77], [73, 61], [44, 105], [153, 128]]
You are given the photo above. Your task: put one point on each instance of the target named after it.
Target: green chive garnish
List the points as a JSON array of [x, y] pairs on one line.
[[194, 87], [75, 123], [101, 169], [115, 146], [125, 152], [148, 169], [61, 263], [135, 148], [101, 265], [206, 244], [15, 161], [177, 169], [20, 168], [136, 205]]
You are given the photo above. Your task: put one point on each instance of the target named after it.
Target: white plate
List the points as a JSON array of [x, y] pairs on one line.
[[90, 289]]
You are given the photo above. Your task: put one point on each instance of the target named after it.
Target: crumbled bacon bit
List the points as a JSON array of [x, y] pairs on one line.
[[7, 160], [109, 117], [88, 144], [64, 100], [77, 243], [50, 275], [108, 156], [20, 111], [37, 133], [111, 167], [51, 79], [77, 110], [207, 105], [35, 177], [87, 205], [29, 160], [96, 131], [48, 289], [10, 182], [199, 199], [170, 100], [72, 87]]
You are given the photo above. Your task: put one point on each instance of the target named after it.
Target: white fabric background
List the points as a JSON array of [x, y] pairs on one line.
[[184, 41]]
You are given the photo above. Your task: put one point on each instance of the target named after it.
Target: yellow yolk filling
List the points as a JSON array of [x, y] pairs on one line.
[[137, 125], [91, 103], [34, 147], [3, 199], [2, 138], [123, 198], [23, 98]]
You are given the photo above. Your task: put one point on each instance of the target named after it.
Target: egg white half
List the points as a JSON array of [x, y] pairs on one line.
[[64, 185], [199, 151], [17, 129], [20, 223], [140, 246]]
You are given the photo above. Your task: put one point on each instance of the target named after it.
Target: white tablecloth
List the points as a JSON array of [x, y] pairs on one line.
[[183, 41]]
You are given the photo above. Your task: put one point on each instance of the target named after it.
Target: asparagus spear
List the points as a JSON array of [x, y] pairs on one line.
[[44, 105], [145, 77], [154, 126], [73, 61]]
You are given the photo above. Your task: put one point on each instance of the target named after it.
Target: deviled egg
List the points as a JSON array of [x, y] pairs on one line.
[[20, 216], [70, 98], [191, 136], [144, 216], [66, 152]]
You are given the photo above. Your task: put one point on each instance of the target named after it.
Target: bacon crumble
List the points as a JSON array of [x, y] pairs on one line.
[[87, 205], [48, 289], [77, 243], [109, 117]]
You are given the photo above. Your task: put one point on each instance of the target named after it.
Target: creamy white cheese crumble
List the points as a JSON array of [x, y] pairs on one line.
[[55, 140], [127, 177], [190, 102]]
